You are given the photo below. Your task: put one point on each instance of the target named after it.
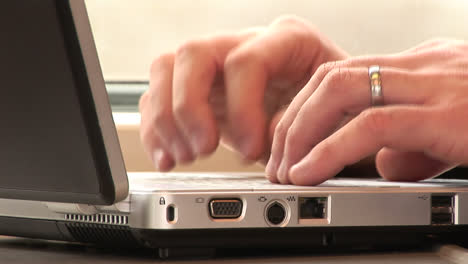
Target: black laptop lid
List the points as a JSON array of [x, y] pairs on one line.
[[54, 146]]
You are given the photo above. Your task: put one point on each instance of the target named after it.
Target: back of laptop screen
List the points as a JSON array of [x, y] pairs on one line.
[[46, 151]]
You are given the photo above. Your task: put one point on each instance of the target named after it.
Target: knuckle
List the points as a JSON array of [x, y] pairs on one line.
[[336, 78], [143, 101], [367, 60], [182, 109], [191, 48], [436, 42], [281, 130], [161, 117], [326, 67], [161, 61], [296, 28], [334, 69], [163, 126], [429, 44], [375, 121], [183, 106], [239, 58], [288, 20], [299, 35], [325, 149]]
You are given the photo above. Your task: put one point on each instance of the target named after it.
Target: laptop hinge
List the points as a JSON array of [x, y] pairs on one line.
[[86, 209], [69, 208]]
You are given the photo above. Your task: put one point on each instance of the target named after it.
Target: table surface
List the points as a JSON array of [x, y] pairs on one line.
[[19, 250]]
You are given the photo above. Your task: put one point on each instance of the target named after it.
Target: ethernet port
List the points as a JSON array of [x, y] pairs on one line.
[[312, 207]]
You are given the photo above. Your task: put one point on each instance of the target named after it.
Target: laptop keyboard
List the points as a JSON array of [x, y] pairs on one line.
[[257, 181]]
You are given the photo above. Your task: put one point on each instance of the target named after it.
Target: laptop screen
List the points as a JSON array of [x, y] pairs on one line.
[[51, 147]]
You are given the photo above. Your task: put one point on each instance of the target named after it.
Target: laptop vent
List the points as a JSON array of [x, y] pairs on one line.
[[109, 219], [103, 234]]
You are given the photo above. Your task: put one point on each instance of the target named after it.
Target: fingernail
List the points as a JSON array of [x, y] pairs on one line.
[[196, 142], [247, 148], [272, 179], [282, 173], [181, 152], [157, 157], [294, 174], [177, 152]]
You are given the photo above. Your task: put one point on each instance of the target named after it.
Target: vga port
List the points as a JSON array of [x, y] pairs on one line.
[[225, 208]]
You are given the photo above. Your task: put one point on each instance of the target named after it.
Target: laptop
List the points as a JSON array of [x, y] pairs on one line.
[[63, 176]]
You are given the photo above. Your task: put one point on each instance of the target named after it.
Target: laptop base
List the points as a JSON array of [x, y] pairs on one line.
[[207, 243]]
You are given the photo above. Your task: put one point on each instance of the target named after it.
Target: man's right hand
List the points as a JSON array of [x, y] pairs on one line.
[[229, 87]]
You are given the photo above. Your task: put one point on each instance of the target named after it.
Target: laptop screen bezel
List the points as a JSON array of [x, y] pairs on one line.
[[115, 186], [95, 110]]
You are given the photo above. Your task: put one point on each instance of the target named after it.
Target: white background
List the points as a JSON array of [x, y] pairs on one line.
[[130, 33]]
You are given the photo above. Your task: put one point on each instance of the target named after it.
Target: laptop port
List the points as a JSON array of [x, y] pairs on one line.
[[275, 213], [225, 208], [442, 219], [442, 209], [170, 213], [312, 207], [442, 201]]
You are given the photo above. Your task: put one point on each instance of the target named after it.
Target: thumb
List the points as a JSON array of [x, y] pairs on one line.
[[397, 165]]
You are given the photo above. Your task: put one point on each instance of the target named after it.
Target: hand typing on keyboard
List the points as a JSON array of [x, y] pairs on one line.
[[230, 87], [287, 89]]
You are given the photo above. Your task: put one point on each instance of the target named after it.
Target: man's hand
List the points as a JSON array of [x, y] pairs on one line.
[[232, 87], [420, 132]]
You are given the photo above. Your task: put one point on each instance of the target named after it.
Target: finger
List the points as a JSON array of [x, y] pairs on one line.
[[160, 157], [345, 91], [404, 128], [277, 146], [197, 65], [301, 98], [276, 119], [396, 165], [284, 51], [404, 61], [271, 128], [273, 123], [162, 119], [156, 152]]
